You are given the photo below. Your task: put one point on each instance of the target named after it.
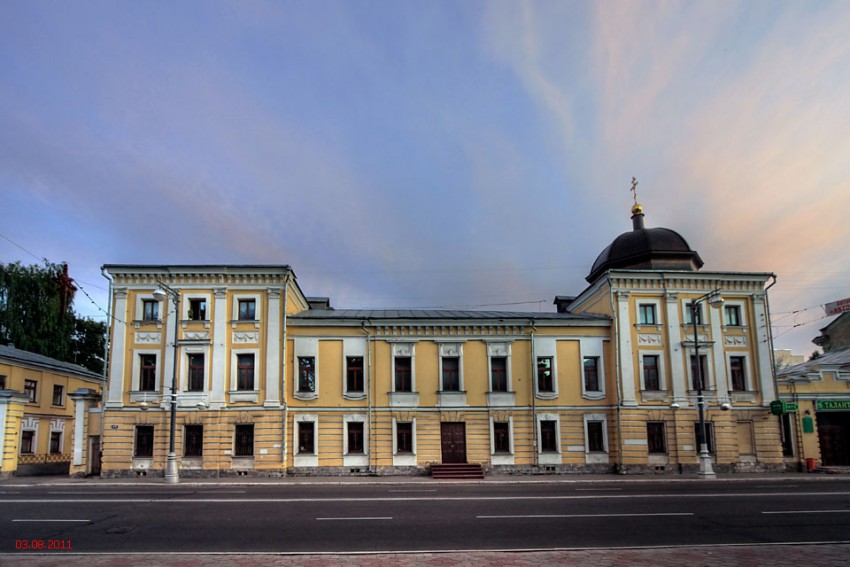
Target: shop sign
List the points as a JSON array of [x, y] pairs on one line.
[[778, 407], [837, 307], [832, 405]]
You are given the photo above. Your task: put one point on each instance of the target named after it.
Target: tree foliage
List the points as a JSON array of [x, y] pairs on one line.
[[36, 315]]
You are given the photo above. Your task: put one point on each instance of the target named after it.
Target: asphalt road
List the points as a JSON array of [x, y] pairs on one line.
[[420, 517]]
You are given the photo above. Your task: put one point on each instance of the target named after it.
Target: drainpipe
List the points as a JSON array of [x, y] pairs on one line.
[[534, 396], [618, 375], [105, 367], [283, 375]]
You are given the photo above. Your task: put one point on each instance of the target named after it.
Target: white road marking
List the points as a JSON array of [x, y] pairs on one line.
[[596, 489], [808, 512], [357, 519], [583, 515], [411, 491], [56, 520]]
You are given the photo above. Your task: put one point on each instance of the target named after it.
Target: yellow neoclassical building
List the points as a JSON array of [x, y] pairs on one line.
[[270, 381], [49, 415]]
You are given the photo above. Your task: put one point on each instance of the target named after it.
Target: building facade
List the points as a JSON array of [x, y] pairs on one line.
[[49, 415], [272, 382]]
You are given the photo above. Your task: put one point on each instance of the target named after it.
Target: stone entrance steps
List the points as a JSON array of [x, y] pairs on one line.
[[456, 471]]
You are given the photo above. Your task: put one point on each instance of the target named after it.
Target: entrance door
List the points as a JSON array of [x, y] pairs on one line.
[[94, 455], [834, 437], [453, 436]]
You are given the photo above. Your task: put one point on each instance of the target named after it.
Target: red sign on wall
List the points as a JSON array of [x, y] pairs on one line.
[[837, 307]]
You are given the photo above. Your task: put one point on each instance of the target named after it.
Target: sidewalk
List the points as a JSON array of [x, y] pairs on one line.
[[708, 556]]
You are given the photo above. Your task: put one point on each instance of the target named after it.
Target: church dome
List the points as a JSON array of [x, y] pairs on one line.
[[646, 249]]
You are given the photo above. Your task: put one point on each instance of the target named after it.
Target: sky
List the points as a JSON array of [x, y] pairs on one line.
[[474, 154]]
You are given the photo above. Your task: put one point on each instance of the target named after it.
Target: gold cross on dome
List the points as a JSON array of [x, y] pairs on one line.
[[634, 188]]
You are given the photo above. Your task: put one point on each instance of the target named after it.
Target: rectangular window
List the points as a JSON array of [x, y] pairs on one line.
[[198, 309], [2, 381], [502, 437], [355, 437], [58, 395], [55, 442], [354, 373], [595, 437], [732, 315], [650, 373], [243, 442], [31, 390], [647, 314], [306, 437], [737, 373], [709, 432], [696, 373], [591, 374], [147, 377], [27, 441], [144, 441], [545, 381], [689, 314], [150, 310], [193, 441], [548, 436], [247, 309], [306, 374], [403, 377], [498, 374], [404, 437], [451, 374], [244, 371], [196, 373], [655, 438]]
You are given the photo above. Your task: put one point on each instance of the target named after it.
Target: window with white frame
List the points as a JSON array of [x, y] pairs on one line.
[[656, 437], [404, 437], [545, 374], [143, 447], [196, 372], [58, 395], [55, 442], [355, 435], [354, 382], [549, 437], [306, 383], [306, 437], [546, 364], [245, 371], [732, 315], [651, 374], [27, 441], [31, 390], [403, 368], [354, 378], [146, 371], [307, 374], [591, 374], [596, 434], [701, 372], [193, 440], [647, 314], [197, 309], [243, 440], [451, 367], [738, 373], [498, 374], [688, 309], [150, 310], [247, 309], [592, 368], [502, 442]]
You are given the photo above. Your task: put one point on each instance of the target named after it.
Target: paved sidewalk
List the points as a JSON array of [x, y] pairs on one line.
[[709, 556]]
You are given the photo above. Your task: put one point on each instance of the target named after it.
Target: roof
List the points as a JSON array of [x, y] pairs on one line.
[[439, 314], [646, 248], [26, 357], [835, 358]]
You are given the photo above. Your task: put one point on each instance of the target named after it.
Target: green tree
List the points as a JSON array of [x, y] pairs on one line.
[[36, 315]]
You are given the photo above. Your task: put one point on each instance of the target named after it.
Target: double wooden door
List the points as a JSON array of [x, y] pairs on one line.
[[453, 442]]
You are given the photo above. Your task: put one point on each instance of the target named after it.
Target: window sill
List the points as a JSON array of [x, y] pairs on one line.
[[147, 323], [546, 395], [354, 396], [404, 399], [593, 395], [235, 322], [501, 399], [743, 395], [305, 396], [451, 399], [654, 395], [251, 396]]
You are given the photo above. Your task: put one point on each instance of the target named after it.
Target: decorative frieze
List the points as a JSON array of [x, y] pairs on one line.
[[243, 337], [149, 338], [446, 331], [735, 340], [196, 336], [653, 339]]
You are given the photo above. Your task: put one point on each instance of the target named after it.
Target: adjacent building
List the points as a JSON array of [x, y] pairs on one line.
[[270, 381], [49, 415]]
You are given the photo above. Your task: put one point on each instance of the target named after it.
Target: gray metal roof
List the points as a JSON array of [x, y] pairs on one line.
[[26, 357], [384, 314], [836, 358]]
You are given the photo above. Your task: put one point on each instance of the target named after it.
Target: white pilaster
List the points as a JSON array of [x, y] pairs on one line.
[[674, 339], [627, 366], [761, 325], [170, 349], [219, 354], [115, 387], [720, 378], [273, 367]]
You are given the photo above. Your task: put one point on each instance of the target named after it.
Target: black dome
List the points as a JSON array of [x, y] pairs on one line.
[[646, 249]]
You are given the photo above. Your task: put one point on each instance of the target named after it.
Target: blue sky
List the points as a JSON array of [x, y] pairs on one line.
[[425, 154]]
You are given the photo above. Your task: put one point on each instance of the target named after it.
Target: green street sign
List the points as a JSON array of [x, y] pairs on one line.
[[778, 407], [832, 405]]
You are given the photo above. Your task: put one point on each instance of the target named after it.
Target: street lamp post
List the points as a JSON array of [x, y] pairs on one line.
[[706, 471], [172, 475]]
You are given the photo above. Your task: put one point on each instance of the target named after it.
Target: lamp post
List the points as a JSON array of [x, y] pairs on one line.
[[705, 469], [172, 475]]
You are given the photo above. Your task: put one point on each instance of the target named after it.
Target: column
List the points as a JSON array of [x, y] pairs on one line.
[[219, 349], [627, 366], [83, 398], [762, 350], [674, 339], [720, 378]]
